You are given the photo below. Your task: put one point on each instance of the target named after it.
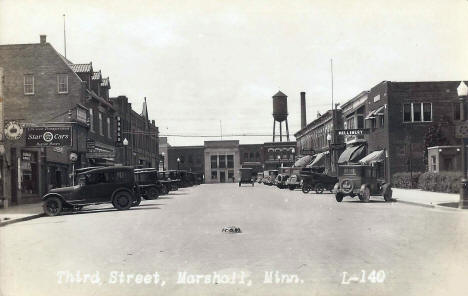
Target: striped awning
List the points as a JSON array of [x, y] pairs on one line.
[[352, 154], [376, 156], [303, 161], [319, 160]]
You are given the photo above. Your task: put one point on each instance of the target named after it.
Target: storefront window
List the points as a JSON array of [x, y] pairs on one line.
[[214, 175], [29, 173]]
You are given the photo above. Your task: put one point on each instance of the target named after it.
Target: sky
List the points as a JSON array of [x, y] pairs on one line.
[[212, 67]]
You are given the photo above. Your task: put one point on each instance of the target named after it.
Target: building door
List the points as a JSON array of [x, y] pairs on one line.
[[222, 177]]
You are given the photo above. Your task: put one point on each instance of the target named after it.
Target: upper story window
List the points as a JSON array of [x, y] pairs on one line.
[[100, 124], [417, 112], [62, 83], [230, 161], [214, 161], [91, 120], [456, 111], [109, 128], [222, 161], [28, 84]]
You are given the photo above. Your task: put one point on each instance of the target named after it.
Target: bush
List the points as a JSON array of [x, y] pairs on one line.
[[440, 182], [402, 180]]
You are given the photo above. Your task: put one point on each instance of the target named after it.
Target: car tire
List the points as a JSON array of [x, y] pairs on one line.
[[52, 206], [122, 200], [291, 187], [164, 190], [339, 197], [319, 188], [387, 195], [306, 189], [152, 193], [365, 194]]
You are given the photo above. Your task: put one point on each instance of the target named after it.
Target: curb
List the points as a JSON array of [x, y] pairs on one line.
[[428, 205], [31, 217]]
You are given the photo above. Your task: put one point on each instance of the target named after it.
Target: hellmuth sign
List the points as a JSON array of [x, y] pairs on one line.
[[48, 136], [352, 132]]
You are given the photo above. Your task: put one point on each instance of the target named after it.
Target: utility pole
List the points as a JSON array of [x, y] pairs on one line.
[[64, 37], [3, 150]]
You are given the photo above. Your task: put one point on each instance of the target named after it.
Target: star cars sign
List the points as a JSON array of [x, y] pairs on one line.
[[48, 136]]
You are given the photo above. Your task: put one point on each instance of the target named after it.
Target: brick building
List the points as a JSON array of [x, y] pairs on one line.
[[402, 113], [278, 154], [319, 137], [44, 89], [191, 158], [141, 133]]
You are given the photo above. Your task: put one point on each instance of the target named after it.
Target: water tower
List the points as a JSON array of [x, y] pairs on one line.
[[280, 114]]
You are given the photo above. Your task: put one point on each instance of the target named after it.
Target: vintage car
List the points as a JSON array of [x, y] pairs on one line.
[[281, 180], [293, 182], [115, 185], [362, 180], [268, 180], [246, 176], [318, 182], [150, 185]]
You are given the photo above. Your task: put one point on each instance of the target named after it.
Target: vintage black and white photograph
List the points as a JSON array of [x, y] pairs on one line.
[[233, 147]]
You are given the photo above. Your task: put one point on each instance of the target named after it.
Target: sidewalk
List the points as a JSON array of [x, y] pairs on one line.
[[427, 198], [20, 213]]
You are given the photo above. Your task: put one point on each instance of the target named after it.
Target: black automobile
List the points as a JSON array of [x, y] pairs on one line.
[[150, 185], [115, 185], [175, 177]]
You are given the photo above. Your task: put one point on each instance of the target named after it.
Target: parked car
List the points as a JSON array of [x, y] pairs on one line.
[[150, 186], [318, 182], [168, 183], [115, 185], [268, 180], [246, 176], [363, 181], [293, 182], [280, 180]]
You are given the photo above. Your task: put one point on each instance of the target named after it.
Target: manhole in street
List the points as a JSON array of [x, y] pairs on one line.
[[231, 229]]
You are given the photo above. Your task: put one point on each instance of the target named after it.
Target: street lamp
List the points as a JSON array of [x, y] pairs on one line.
[[279, 161], [164, 159], [294, 155], [329, 140], [178, 163], [462, 91], [125, 144]]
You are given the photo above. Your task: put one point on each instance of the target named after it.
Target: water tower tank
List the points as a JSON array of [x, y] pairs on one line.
[[280, 107]]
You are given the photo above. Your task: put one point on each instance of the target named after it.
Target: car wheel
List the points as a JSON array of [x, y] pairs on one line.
[[152, 193], [291, 187], [388, 194], [319, 188], [305, 188], [360, 197], [136, 201], [53, 206], [365, 194], [164, 189], [339, 197], [122, 200]]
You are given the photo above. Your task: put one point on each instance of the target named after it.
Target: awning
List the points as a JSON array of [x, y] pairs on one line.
[[376, 112], [351, 154], [319, 160], [303, 161], [376, 156]]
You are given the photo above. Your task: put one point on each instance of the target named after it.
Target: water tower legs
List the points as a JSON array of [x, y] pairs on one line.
[[280, 130]]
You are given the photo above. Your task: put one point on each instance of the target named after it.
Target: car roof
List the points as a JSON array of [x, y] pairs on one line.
[[111, 168]]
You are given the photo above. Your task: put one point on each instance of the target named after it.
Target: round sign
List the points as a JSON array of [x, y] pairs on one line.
[[13, 130], [48, 136], [73, 157]]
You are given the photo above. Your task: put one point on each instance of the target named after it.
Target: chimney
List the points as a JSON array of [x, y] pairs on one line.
[[43, 39], [303, 110]]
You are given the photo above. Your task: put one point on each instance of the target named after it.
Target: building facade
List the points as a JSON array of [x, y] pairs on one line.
[[189, 158], [278, 154], [222, 161]]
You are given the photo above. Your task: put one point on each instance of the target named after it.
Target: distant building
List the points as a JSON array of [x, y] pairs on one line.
[[191, 158], [278, 154], [163, 153], [222, 161]]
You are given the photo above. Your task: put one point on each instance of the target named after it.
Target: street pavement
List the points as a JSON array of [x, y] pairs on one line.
[[291, 244]]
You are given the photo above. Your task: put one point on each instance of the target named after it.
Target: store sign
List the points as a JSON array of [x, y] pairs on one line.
[[349, 132], [48, 136], [13, 130], [100, 155], [81, 115], [90, 145]]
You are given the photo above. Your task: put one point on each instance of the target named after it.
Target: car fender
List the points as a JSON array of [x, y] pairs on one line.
[[336, 188], [48, 195], [385, 187], [122, 189]]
